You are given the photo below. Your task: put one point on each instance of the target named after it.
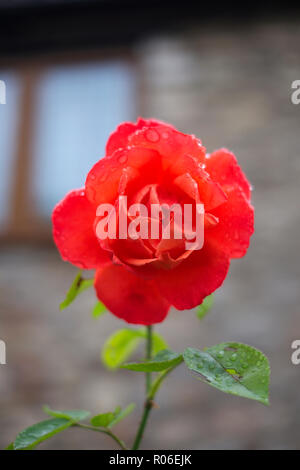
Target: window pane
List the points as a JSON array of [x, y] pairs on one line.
[[77, 109], [8, 130]]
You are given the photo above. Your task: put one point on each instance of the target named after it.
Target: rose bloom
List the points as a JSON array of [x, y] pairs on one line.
[[152, 162]]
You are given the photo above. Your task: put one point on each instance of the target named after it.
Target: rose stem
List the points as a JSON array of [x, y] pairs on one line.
[[148, 403], [104, 431], [148, 356]]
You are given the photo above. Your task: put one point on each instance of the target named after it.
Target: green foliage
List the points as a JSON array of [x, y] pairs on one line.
[[102, 420], [233, 368], [205, 307], [39, 432], [120, 414], [72, 415], [163, 360], [110, 419], [98, 310], [122, 343], [10, 446], [78, 285]]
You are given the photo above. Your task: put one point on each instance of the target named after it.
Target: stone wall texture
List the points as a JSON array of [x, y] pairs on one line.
[[232, 88]]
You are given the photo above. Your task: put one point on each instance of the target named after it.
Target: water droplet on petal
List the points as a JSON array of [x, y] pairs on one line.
[[93, 193], [103, 177], [236, 235], [123, 159], [92, 176], [152, 135]]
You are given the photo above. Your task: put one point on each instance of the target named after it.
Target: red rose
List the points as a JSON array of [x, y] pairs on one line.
[[151, 162]]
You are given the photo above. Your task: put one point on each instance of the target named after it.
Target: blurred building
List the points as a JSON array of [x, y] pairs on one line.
[[73, 70]]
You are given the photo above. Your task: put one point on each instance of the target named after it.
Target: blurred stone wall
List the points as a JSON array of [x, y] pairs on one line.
[[232, 88]]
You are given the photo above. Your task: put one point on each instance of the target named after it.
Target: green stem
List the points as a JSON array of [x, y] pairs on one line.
[[159, 380], [148, 356], [151, 390], [108, 432], [140, 432], [148, 404]]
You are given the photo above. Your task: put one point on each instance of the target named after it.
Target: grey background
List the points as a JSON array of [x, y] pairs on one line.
[[231, 88]]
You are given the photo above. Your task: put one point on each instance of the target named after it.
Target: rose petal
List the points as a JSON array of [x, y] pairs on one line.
[[170, 143], [103, 181], [188, 185], [236, 224], [73, 231], [119, 138], [130, 297], [196, 277], [210, 192], [223, 168]]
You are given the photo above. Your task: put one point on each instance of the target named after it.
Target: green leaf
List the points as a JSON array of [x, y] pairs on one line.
[[108, 420], [121, 344], [120, 414], [206, 305], [163, 360], [233, 368], [85, 284], [78, 285], [10, 446], [98, 310], [39, 432], [103, 420], [73, 415], [158, 342]]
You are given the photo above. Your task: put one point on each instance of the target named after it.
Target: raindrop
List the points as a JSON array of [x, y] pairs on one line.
[[93, 193], [152, 135], [103, 178], [220, 354], [233, 357], [123, 159], [236, 235]]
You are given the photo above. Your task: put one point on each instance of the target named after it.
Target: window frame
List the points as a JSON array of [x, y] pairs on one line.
[[24, 223]]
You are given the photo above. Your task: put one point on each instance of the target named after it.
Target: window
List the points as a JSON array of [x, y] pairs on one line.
[[8, 131], [77, 108], [53, 128]]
